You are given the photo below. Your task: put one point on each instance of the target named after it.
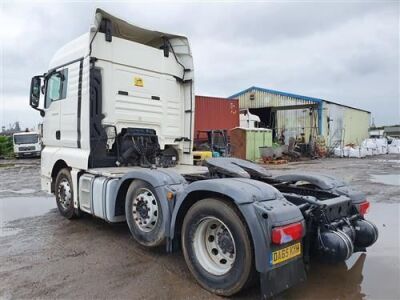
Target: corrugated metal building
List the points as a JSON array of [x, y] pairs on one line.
[[291, 115], [392, 131]]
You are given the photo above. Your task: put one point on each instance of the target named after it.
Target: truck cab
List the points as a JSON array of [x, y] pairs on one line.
[[248, 120], [26, 144]]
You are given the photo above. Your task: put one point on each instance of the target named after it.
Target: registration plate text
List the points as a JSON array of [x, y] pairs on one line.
[[285, 254]]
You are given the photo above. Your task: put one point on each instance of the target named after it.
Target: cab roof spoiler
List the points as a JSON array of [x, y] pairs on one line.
[[122, 29]]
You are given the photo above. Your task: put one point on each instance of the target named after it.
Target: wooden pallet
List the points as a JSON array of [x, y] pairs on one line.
[[276, 162]]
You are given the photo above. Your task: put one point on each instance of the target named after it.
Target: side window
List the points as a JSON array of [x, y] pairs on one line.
[[56, 87]]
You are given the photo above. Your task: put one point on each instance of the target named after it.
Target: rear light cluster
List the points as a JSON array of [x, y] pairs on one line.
[[287, 233], [363, 208]]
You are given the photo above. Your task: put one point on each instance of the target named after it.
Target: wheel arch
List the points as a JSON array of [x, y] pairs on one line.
[[238, 191], [59, 165], [157, 179], [121, 195], [122, 189], [189, 201], [321, 181]]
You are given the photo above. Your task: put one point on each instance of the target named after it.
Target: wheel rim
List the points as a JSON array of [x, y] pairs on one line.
[[64, 193], [214, 246], [145, 210]]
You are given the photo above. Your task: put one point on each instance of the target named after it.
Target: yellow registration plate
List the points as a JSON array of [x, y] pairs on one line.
[[285, 254]]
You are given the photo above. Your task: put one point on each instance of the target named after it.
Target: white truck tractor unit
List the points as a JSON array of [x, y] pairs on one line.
[[26, 144], [117, 134]]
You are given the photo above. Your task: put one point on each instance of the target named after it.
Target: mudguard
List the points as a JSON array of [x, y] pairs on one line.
[[261, 205], [235, 167], [326, 183], [156, 177], [161, 180]]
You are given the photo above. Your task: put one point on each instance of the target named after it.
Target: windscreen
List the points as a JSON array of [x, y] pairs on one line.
[[26, 139]]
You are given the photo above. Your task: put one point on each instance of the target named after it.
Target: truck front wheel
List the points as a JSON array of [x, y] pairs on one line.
[[65, 194], [217, 247]]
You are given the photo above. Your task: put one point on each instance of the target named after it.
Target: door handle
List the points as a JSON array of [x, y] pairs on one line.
[[58, 134]]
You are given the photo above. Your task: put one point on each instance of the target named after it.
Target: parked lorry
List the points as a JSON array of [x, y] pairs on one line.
[[26, 144], [118, 137]]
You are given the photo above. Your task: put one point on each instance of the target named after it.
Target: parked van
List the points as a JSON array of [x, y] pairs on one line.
[[26, 144]]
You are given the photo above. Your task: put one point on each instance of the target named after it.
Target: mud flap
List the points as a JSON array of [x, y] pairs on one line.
[[280, 279]]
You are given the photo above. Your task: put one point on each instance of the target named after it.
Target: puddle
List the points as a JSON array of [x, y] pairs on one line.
[[6, 165], [7, 231], [371, 275], [22, 191], [14, 208], [390, 179], [396, 161]]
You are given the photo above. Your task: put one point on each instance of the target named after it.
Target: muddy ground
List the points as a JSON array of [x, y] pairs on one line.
[[43, 255]]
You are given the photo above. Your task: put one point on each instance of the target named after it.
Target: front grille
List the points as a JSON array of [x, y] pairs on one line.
[[29, 148]]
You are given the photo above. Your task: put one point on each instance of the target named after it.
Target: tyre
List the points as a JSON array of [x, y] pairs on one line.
[[143, 214], [217, 247], [64, 192]]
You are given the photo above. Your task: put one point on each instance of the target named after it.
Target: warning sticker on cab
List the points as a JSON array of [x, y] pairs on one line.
[[137, 81], [285, 254]]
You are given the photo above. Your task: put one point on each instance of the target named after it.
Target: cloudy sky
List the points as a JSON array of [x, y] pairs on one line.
[[346, 52]]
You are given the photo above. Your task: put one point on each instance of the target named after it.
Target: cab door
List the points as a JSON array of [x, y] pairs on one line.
[[56, 86], [61, 107], [69, 116]]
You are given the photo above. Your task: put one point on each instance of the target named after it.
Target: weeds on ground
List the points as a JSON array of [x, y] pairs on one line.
[[6, 147]]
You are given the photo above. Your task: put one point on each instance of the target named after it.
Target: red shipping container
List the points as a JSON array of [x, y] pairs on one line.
[[214, 113]]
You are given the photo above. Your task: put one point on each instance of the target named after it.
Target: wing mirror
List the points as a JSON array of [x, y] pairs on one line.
[[35, 91], [35, 94]]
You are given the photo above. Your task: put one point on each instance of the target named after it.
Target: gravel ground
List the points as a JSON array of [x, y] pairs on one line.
[[43, 255]]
